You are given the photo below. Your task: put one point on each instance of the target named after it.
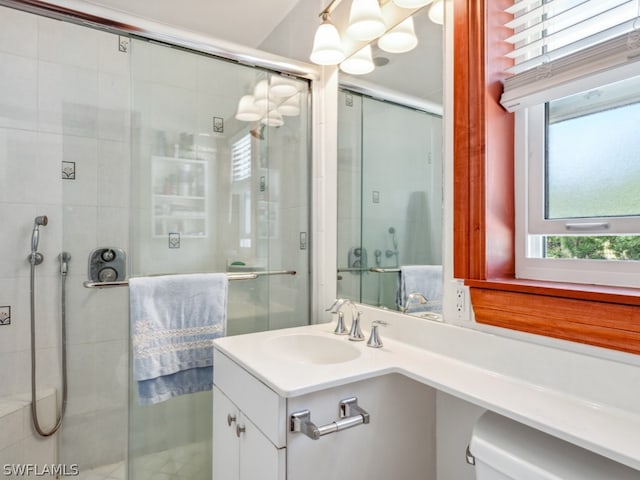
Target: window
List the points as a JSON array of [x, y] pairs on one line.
[[576, 93], [484, 208]]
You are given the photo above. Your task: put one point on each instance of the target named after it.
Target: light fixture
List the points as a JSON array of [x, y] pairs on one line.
[[291, 106], [360, 63], [262, 96], [365, 20], [273, 118], [327, 46], [399, 39], [412, 3], [282, 86], [436, 12], [247, 110]]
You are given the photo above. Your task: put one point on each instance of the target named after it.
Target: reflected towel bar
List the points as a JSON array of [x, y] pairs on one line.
[[231, 276], [384, 270]]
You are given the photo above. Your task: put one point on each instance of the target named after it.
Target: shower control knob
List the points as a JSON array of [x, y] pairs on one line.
[[107, 275], [108, 255]]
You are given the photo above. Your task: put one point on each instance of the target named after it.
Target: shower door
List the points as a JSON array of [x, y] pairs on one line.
[[217, 186]]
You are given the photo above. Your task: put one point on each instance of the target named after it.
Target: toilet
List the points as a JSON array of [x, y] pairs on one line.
[[503, 449]]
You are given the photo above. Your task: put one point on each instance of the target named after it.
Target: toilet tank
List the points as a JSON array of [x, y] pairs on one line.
[[504, 449]]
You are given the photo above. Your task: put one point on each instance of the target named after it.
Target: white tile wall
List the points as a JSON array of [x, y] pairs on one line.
[[17, 441], [64, 96]]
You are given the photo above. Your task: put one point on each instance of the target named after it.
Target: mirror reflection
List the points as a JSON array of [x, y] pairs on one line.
[[390, 178]]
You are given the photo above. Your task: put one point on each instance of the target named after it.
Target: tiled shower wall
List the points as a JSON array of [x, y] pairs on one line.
[[64, 153]]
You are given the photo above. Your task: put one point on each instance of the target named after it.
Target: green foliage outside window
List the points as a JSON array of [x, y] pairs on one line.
[[617, 247]]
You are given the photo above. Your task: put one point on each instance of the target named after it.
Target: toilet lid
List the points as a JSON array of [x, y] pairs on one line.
[[524, 453]]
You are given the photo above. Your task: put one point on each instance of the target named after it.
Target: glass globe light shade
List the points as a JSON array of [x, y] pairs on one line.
[[291, 106], [436, 12], [262, 96], [400, 38], [327, 46], [247, 110], [283, 87], [360, 63], [365, 20], [273, 118]]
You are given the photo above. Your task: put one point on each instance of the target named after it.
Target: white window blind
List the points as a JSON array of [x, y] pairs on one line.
[[556, 42], [241, 159]]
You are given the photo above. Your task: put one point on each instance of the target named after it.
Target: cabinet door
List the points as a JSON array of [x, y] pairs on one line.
[[259, 458], [226, 447]]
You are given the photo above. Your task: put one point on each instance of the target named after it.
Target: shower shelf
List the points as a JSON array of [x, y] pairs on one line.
[[179, 199]]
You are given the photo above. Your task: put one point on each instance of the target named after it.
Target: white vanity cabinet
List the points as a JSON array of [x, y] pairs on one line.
[[248, 426], [252, 438]]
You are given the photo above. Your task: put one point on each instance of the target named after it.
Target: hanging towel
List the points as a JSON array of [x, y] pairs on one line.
[[424, 279], [174, 319]]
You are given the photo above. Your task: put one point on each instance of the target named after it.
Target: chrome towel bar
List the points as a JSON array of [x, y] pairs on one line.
[[231, 276]]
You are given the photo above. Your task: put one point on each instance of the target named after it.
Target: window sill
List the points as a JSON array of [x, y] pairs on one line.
[[606, 317]]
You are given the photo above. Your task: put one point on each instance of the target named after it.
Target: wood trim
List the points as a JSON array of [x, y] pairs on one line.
[[484, 223], [468, 148], [614, 326]]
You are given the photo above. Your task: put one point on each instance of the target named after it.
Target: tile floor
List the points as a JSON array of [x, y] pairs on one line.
[[190, 462]]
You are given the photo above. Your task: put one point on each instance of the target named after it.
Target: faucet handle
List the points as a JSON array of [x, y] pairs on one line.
[[340, 327], [374, 339], [355, 334]]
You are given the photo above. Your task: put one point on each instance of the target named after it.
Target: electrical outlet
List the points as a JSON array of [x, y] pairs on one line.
[[461, 296]]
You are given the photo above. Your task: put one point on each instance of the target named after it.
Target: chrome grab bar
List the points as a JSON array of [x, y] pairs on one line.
[[350, 416], [230, 276]]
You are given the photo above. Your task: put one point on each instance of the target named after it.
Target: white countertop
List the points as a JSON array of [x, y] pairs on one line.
[[608, 428]]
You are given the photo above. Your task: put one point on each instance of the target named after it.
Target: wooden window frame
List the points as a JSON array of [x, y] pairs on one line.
[[484, 215]]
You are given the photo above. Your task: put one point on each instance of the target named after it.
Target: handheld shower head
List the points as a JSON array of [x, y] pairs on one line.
[[35, 258], [392, 231], [35, 234]]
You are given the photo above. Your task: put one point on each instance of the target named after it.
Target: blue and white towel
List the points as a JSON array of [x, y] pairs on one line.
[[424, 279], [174, 319]]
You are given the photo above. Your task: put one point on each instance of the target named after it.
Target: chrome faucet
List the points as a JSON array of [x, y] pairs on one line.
[[414, 297], [355, 333], [374, 339]]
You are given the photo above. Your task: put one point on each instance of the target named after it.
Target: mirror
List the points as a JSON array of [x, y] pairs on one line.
[[390, 178]]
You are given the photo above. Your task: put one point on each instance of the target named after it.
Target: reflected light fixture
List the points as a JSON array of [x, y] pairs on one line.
[[262, 96], [282, 86], [412, 3], [291, 106], [247, 109], [365, 20], [436, 12], [360, 63], [273, 118], [327, 46], [401, 38]]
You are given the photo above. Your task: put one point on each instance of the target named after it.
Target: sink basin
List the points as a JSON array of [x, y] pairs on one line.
[[312, 349]]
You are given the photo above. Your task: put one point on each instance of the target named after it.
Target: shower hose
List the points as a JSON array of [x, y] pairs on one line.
[[34, 408]]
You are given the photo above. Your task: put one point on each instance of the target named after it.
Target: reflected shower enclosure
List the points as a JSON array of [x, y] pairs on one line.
[[389, 195], [138, 146]]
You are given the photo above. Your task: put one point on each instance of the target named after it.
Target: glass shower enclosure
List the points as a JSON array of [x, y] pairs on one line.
[[219, 185], [142, 146]]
